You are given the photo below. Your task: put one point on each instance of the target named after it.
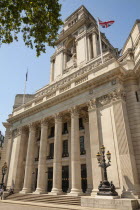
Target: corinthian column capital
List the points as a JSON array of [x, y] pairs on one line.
[[44, 122], [32, 127], [74, 111], [58, 117], [118, 94], [91, 104]]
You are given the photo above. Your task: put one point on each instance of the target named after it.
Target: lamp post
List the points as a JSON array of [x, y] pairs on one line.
[[106, 188], [4, 170]]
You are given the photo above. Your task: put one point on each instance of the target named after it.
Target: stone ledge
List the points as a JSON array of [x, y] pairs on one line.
[[122, 204]]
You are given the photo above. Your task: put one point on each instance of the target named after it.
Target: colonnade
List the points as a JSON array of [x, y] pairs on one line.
[[92, 130]]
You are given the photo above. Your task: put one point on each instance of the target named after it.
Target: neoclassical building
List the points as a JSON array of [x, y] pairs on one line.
[[52, 140]]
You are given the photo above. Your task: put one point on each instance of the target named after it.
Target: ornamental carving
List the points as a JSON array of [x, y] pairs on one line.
[[112, 97], [32, 127], [16, 132], [44, 122], [52, 88], [92, 104], [74, 111], [58, 117]]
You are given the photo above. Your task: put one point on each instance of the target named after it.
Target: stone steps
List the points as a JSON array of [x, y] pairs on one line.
[[45, 198]]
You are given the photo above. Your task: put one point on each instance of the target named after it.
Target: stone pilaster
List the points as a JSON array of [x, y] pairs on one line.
[[88, 156], [94, 144], [131, 187], [27, 187], [42, 167], [57, 162], [75, 154], [95, 45]]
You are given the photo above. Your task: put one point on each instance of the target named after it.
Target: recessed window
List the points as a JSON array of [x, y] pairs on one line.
[[51, 153], [65, 128], [82, 146], [51, 132], [81, 126], [65, 149]]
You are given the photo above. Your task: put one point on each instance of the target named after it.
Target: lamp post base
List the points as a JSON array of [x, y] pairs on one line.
[[107, 189]]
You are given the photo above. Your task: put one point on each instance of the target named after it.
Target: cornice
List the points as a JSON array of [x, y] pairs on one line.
[[95, 82]]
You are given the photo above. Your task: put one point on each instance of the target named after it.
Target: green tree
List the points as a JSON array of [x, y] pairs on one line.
[[37, 20]]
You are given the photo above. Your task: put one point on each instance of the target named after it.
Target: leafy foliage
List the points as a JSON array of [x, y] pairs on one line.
[[37, 20]]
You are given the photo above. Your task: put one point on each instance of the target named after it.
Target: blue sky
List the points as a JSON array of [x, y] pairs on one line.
[[16, 58]]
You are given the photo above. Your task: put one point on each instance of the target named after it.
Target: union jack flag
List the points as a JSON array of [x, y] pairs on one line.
[[106, 24]]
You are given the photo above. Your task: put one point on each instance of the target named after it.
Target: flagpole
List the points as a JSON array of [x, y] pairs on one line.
[[25, 89], [100, 41]]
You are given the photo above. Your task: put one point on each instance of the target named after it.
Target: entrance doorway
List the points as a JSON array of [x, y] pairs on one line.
[[65, 178], [50, 179], [84, 177]]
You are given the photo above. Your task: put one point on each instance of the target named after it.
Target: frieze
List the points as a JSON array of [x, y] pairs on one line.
[[112, 97], [64, 81]]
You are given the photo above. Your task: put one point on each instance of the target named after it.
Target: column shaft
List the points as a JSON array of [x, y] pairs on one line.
[[29, 161], [88, 158], [75, 154], [94, 145], [57, 163], [42, 167], [95, 46]]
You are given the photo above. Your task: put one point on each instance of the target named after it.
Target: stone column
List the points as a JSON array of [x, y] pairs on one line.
[[131, 187], [95, 46], [94, 144], [69, 150], [64, 60], [88, 156], [57, 162], [7, 149], [52, 71], [27, 187], [16, 168], [75, 154], [89, 49], [42, 167]]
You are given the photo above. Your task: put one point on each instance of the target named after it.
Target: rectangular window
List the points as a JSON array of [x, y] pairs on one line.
[[51, 132], [91, 46], [65, 128], [51, 153], [137, 96], [81, 126], [65, 149], [82, 146]]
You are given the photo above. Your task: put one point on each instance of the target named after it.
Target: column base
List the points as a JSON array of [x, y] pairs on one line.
[[40, 191], [56, 191], [94, 192], [75, 192], [130, 194], [25, 190]]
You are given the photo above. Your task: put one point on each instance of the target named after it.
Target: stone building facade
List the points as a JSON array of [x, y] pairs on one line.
[[52, 140]]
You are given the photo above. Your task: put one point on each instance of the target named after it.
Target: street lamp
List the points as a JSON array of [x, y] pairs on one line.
[[4, 170], [106, 188]]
